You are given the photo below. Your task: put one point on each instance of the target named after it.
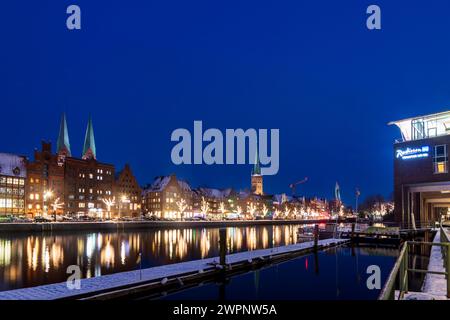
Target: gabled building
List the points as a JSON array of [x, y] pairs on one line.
[[161, 197], [128, 193]]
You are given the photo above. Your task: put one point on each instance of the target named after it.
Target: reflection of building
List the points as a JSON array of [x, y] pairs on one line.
[[421, 175], [257, 178], [161, 197], [128, 193], [12, 184]]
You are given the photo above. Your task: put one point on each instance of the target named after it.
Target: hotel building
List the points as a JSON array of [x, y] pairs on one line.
[[421, 173]]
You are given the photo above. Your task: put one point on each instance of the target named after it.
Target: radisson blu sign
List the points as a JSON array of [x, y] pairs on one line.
[[413, 153]]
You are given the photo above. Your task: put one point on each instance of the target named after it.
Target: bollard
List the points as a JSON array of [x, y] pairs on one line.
[[223, 245], [353, 230], [316, 236]]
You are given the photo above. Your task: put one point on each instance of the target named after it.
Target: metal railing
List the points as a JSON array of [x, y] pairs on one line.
[[401, 270]]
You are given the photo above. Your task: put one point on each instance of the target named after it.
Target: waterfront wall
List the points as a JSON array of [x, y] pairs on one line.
[[131, 225]]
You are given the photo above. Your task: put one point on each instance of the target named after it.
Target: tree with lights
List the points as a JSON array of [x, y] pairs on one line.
[[239, 210], [251, 209], [109, 203], [287, 211], [57, 205], [222, 209], [265, 210], [182, 206], [204, 207]]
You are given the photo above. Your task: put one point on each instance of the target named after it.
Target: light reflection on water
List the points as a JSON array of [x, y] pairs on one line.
[[30, 260]]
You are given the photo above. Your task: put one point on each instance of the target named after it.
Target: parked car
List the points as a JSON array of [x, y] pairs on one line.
[[42, 219], [152, 218]]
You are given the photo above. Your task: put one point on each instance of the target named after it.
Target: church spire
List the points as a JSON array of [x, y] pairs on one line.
[[89, 151], [63, 144], [256, 166]]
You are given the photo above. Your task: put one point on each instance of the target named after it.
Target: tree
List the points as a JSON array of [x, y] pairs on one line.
[[251, 209], [182, 206], [265, 210], [205, 206], [222, 209]]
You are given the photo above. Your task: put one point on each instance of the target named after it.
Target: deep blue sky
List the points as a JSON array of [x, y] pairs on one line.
[[144, 68]]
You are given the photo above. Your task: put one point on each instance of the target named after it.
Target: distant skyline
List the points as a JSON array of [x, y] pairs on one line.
[[145, 68]]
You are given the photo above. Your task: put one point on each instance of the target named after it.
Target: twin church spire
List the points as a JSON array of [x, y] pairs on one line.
[[63, 144]]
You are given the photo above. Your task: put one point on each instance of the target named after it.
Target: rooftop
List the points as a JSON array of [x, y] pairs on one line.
[[423, 127]]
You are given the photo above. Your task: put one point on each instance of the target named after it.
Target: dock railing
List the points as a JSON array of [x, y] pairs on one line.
[[400, 271]]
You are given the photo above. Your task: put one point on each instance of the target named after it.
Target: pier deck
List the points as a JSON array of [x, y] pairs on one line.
[[435, 285], [102, 284]]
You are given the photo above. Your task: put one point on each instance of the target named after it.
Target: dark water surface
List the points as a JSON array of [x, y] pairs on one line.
[[335, 274], [36, 259]]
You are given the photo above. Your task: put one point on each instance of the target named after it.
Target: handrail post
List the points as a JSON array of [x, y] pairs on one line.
[[406, 267], [448, 270]]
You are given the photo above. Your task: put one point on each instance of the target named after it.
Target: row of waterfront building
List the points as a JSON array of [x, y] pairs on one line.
[[59, 183]]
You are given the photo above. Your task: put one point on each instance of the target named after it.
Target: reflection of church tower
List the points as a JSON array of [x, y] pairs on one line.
[[257, 178], [89, 151], [63, 144]]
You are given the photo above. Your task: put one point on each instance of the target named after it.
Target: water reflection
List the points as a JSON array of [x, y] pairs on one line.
[[39, 259]]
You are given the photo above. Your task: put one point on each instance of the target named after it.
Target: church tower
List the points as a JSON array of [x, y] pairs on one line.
[[257, 178], [63, 144], [89, 150]]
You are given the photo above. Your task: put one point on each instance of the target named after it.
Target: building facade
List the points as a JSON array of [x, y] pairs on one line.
[[162, 198], [421, 175], [13, 174], [44, 173], [128, 193]]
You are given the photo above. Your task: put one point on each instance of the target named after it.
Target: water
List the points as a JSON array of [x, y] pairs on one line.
[[36, 259], [335, 274]]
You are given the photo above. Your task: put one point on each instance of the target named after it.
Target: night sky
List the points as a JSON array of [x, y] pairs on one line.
[[144, 68]]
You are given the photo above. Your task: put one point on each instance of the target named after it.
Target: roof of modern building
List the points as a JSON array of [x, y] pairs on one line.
[[423, 127], [12, 165]]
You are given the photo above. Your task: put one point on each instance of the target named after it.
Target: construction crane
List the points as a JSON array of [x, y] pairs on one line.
[[295, 184]]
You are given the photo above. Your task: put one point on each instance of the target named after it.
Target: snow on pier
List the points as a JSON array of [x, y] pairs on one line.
[[435, 285], [159, 273]]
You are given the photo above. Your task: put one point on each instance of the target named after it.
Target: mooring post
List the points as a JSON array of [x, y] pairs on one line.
[[353, 230], [223, 245], [316, 236]]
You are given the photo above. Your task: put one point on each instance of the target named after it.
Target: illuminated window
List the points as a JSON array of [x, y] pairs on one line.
[[31, 196], [440, 159]]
